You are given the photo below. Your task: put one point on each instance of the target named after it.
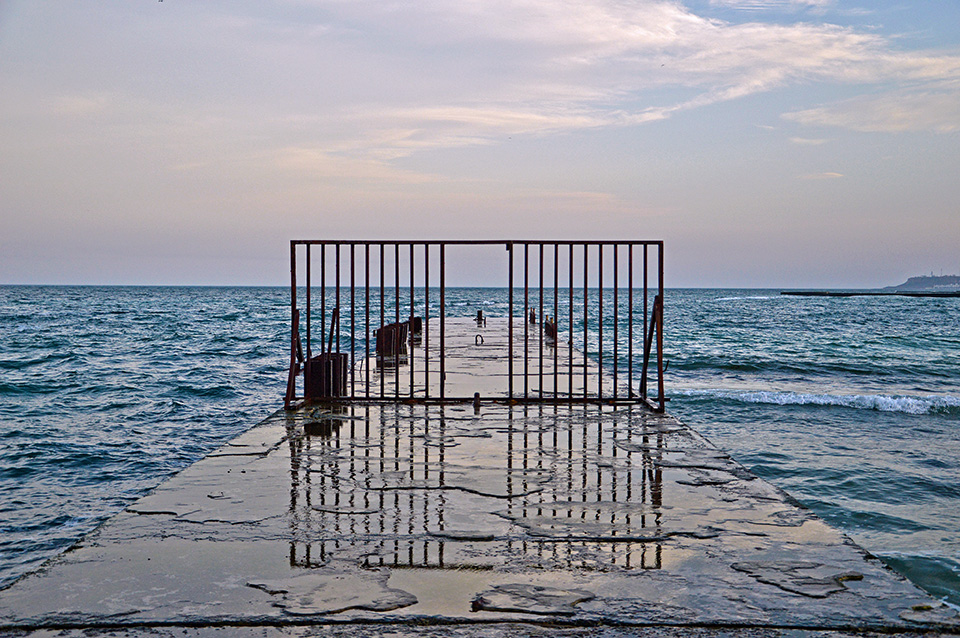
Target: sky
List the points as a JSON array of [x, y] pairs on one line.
[[769, 143]]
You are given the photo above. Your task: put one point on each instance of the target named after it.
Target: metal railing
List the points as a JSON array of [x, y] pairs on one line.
[[392, 336]]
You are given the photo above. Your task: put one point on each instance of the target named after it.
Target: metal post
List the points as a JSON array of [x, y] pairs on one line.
[[443, 313], [526, 315], [556, 320], [616, 318], [600, 322], [426, 320], [540, 329], [308, 301], [410, 332], [353, 322], [337, 284], [630, 322], [510, 321], [383, 390], [366, 319], [586, 315], [570, 327]]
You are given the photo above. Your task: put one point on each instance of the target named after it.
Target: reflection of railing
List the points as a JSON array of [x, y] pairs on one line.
[[587, 490], [386, 287]]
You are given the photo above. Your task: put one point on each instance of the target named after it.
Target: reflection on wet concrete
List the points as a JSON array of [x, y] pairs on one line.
[[557, 488], [411, 515]]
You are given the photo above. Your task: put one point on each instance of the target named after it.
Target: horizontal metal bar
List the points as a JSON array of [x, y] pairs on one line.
[[577, 400], [476, 242]]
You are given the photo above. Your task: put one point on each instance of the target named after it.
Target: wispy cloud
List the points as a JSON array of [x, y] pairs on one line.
[[825, 175], [806, 141], [894, 112], [584, 64], [767, 5]]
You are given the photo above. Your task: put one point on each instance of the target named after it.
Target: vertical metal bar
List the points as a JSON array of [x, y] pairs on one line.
[[443, 313], [556, 320], [510, 321], [660, 387], [586, 317], [323, 295], [353, 322], [540, 328], [412, 353], [643, 390], [600, 322], [616, 318], [294, 319], [396, 317], [526, 315], [337, 284], [426, 320], [630, 322], [308, 301], [366, 319], [383, 390], [570, 327]]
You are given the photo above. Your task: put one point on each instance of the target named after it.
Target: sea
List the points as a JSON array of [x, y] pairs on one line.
[[850, 405]]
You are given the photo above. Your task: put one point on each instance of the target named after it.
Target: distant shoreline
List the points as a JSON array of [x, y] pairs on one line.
[[867, 293]]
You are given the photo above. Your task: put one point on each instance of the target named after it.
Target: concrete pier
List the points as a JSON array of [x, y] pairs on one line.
[[441, 520]]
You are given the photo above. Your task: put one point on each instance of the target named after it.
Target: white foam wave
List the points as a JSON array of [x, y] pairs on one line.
[[881, 403], [742, 298]]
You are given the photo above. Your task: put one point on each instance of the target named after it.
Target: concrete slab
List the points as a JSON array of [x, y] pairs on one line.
[[422, 520]]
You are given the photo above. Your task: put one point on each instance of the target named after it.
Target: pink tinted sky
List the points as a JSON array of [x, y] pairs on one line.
[[798, 143]]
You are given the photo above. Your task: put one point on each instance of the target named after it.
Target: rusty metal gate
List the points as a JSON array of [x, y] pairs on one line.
[[583, 322]]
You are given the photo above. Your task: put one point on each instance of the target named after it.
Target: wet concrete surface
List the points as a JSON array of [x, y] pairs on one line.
[[436, 520]]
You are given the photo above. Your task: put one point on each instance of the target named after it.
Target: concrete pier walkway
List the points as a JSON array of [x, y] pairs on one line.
[[437, 520]]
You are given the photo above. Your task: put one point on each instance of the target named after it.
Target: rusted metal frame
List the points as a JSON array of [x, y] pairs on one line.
[[526, 317], [630, 322], [294, 330], [366, 320], [426, 319], [616, 319], [471, 242], [443, 314], [586, 314], [660, 386], [411, 356], [353, 322], [510, 321], [540, 328], [570, 326], [579, 400], [556, 322], [648, 345]]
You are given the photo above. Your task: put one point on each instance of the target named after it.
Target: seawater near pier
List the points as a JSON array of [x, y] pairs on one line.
[[400, 517]]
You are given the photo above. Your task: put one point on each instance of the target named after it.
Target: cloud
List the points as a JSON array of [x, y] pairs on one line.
[[826, 175], [894, 112], [804, 141], [574, 65], [768, 5]]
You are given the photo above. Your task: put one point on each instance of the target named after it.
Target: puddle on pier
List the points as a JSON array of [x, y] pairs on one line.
[[442, 488]]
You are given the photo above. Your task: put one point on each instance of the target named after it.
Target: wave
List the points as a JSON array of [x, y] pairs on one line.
[[933, 404]]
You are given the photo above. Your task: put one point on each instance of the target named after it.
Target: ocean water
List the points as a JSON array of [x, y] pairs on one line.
[[852, 405]]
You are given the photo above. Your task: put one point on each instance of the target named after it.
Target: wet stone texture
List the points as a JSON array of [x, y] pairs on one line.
[[405, 516]]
